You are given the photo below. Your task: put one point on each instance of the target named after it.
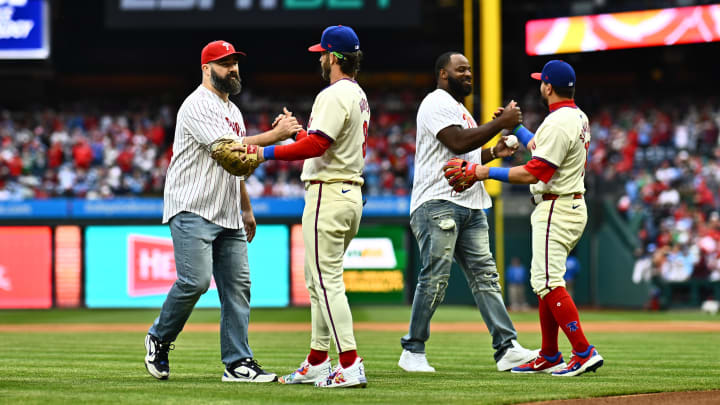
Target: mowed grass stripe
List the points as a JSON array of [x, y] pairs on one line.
[[107, 368]]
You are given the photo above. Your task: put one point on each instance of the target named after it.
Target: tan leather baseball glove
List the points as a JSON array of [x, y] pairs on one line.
[[235, 162]]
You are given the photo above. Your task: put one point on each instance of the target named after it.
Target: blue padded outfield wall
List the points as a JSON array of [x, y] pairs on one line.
[[149, 208]]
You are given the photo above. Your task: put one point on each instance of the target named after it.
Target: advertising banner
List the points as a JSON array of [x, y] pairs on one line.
[[374, 265], [25, 267], [134, 266], [24, 29], [633, 29]]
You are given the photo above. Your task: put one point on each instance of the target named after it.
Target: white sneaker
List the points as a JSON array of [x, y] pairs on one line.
[[308, 374], [415, 362], [247, 370], [516, 355], [353, 376]]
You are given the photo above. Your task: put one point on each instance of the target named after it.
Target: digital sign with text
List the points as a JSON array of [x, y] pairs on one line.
[[24, 29], [262, 14]]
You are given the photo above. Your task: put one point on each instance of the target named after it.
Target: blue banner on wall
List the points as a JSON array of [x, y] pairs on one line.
[[55, 208], [152, 208], [134, 266], [24, 29], [118, 208]]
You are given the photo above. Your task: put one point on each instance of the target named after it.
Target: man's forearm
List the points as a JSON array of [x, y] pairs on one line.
[[244, 198], [264, 139], [472, 138]]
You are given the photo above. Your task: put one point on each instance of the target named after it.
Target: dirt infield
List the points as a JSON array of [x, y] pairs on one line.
[[467, 327], [662, 398]]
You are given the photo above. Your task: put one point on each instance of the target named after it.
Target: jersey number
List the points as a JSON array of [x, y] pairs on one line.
[[365, 134]]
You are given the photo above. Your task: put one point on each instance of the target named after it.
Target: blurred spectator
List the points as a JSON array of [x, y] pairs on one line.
[[572, 266], [516, 276]]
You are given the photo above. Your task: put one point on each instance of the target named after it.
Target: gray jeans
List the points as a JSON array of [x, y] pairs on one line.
[[445, 230], [203, 249]]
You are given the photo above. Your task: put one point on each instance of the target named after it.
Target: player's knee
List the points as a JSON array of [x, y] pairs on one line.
[[196, 287]]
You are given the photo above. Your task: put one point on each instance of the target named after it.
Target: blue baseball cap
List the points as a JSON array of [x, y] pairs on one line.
[[337, 38], [558, 73]]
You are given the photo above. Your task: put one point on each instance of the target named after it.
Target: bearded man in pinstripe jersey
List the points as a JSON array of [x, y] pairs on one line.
[[211, 219]]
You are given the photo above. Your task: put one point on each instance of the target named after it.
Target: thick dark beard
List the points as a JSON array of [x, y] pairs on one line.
[[457, 89], [544, 102], [230, 84]]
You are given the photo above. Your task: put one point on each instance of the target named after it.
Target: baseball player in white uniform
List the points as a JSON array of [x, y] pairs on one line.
[[333, 149], [450, 225], [556, 175], [210, 219]]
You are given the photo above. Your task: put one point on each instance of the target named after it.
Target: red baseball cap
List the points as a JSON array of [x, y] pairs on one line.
[[217, 50]]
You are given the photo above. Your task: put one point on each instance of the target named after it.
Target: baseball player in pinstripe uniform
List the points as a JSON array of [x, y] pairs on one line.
[[210, 219], [449, 225], [556, 177], [334, 151]]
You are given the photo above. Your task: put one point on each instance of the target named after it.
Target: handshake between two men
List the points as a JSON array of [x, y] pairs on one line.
[[242, 157], [461, 174]]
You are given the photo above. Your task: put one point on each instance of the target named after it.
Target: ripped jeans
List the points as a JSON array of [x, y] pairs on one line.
[[444, 231]]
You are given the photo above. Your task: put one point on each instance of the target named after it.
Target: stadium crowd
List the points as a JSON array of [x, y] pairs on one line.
[[663, 164], [81, 151], [660, 161]]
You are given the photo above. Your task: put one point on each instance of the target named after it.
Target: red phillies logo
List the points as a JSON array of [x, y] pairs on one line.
[[151, 265], [235, 127]]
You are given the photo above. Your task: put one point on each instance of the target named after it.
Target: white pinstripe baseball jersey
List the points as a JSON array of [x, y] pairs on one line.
[[341, 113], [562, 141], [195, 182], [438, 111]]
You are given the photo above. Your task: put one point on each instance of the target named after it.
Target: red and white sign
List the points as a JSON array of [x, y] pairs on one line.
[[151, 265], [634, 29], [25, 277]]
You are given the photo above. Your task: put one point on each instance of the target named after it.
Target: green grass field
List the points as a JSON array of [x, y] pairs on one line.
[[107, 367]]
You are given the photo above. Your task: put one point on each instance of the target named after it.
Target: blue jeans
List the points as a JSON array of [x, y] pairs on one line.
[[203, 249], [445, 230]]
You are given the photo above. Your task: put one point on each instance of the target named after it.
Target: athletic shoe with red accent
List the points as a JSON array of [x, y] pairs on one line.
[[582, 363], [348, 377], [541, 364], [308, 374]]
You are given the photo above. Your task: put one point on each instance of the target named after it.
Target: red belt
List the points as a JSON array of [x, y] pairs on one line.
[[354, 183], [549, 196]]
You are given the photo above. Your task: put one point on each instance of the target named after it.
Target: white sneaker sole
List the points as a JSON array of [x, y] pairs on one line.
[[287, 380], [359, 383], [411, 369], [593, 364], [554, 368], [266, 378]]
